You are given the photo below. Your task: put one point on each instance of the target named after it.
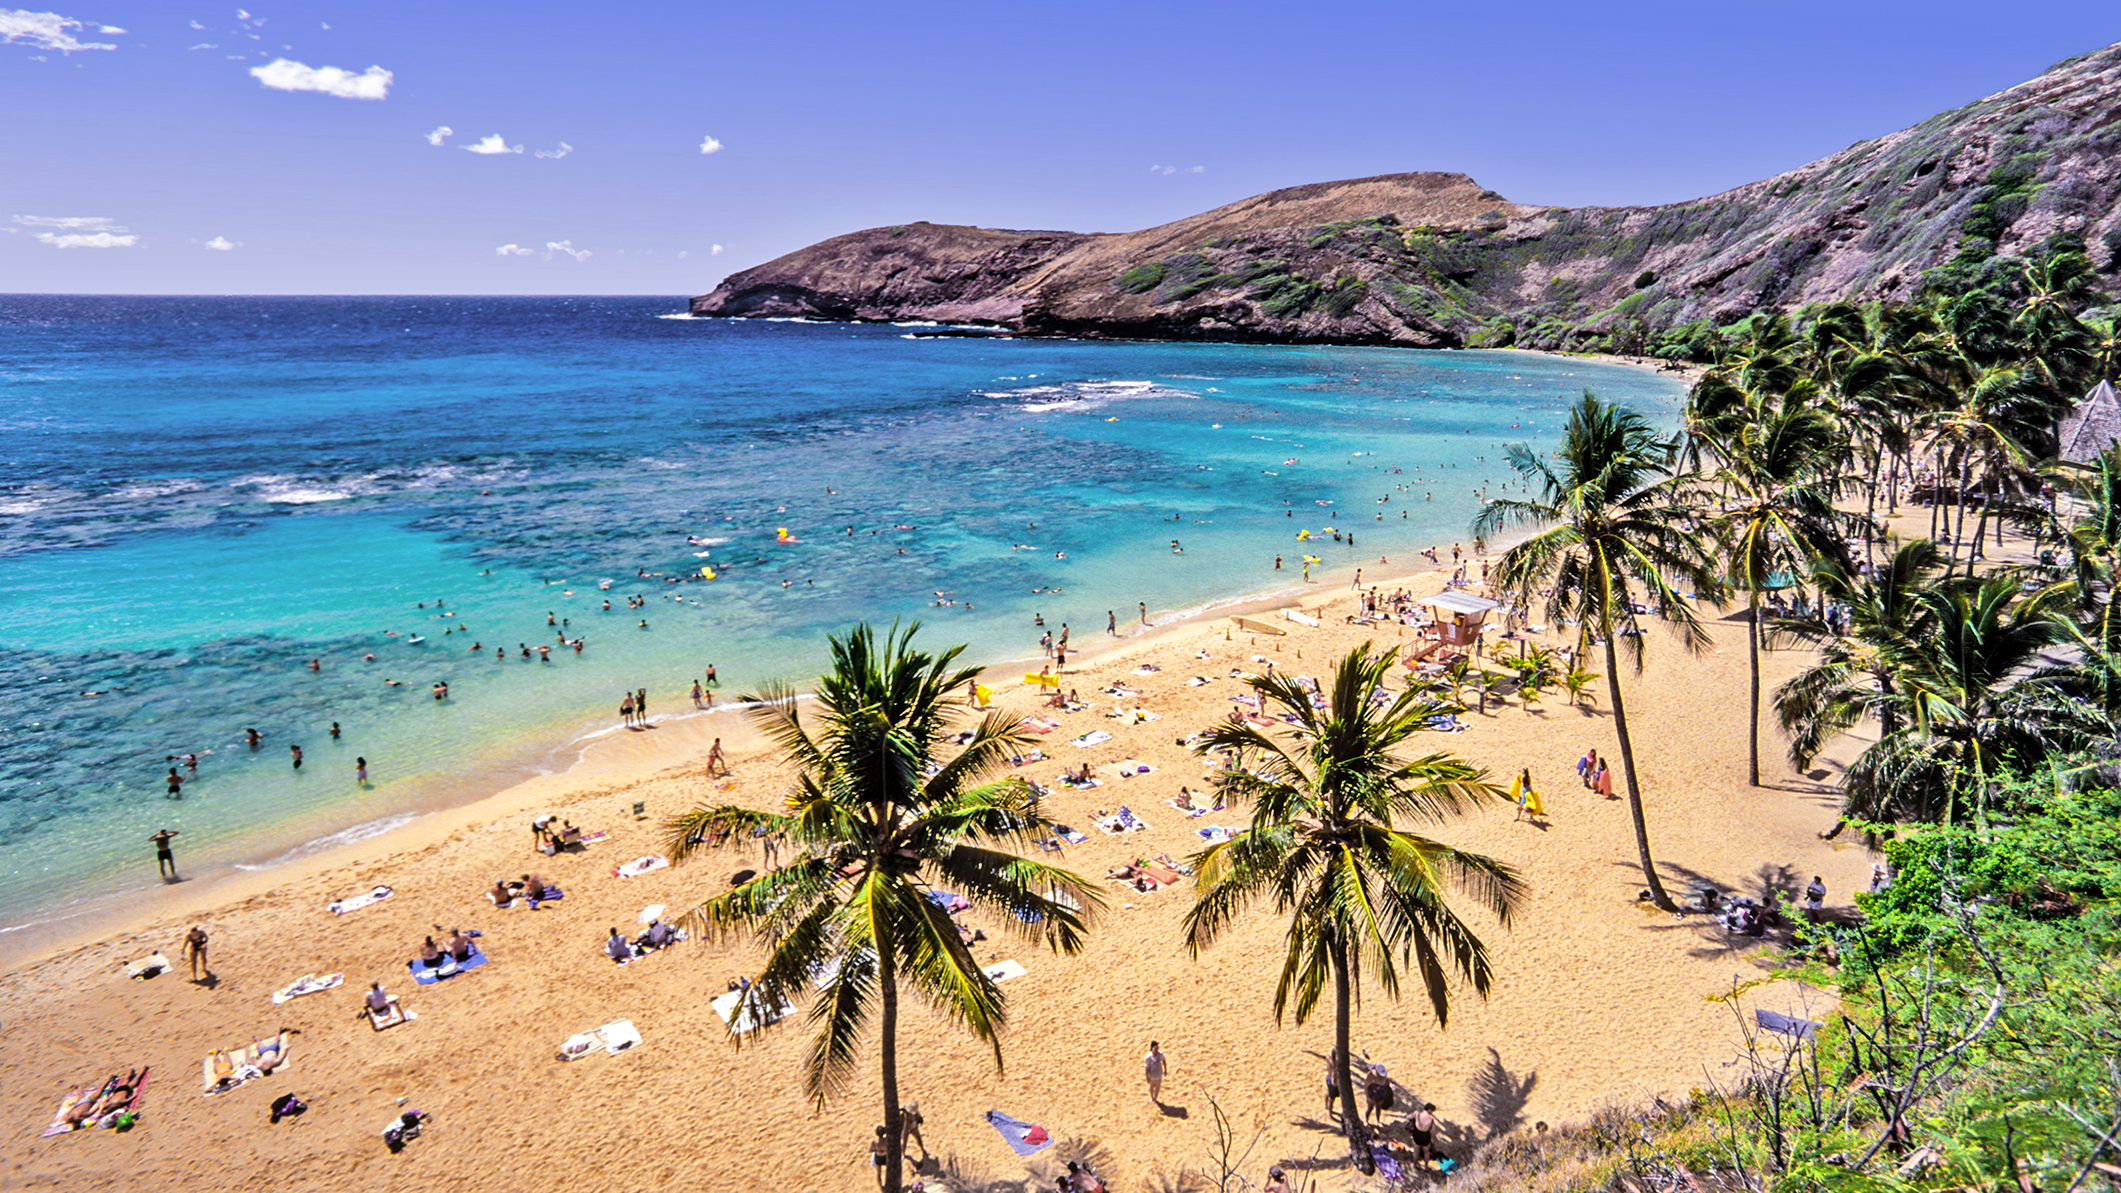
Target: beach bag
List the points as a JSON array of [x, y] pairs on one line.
[[287, 1106]]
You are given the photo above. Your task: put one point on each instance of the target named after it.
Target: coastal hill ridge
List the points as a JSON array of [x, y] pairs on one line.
[[1436, 260]]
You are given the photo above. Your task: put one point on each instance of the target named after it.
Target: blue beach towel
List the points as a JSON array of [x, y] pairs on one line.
[[428, 975], [1023, 1138]]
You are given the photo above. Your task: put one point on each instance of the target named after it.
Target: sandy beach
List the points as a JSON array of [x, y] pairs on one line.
[[1598, 1000]]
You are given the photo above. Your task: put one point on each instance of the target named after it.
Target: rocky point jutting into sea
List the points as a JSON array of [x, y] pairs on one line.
[[1434, 260]]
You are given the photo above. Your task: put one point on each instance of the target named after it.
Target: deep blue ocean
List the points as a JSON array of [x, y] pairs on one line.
[[201, 495]]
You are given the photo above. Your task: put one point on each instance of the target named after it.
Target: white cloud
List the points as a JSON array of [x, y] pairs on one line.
[[282, 74], [197, 25], [716, 251], [46, 31], [439, 135], [514, 250], [94, 240], [99, 223], [567, 247], [242, 15], [206, 45], [682, 253], [111, 29], [1196, 169], [222, 244], [492, 144], [556, 154], [1176, 170], [710, 145]]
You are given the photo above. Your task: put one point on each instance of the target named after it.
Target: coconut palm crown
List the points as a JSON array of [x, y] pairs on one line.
[[877, 818], [1362, 894]]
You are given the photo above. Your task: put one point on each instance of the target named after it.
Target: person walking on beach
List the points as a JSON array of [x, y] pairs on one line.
[[1144, 607], [1587, 767], [1602, 783], [717, 766], [176, 784], [696, 694], [165, 861], [1111, 624], [195, 953], [626, 709], [640, 705], [876, 1156], [1153, 1069]]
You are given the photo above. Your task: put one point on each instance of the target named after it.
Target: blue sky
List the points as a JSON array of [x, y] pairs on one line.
[[286, 148]]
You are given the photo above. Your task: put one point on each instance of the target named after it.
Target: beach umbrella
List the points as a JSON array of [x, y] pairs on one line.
[[1023, 1138]]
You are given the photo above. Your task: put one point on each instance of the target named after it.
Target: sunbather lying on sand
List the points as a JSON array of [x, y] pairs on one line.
[[115, 1093], [272, 1053]]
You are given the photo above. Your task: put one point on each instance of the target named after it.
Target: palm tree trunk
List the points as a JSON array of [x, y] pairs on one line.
[[1752, 650], [1343, 1011], [1627, 770], [887, 1036]]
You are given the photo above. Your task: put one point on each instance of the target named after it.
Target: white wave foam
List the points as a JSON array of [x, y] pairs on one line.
[[330, 841], [680, 315]]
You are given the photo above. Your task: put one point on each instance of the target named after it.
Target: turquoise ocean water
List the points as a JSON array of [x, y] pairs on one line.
[[202, 495]]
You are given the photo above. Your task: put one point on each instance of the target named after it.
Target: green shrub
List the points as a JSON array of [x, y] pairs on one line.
[[1143, 278]]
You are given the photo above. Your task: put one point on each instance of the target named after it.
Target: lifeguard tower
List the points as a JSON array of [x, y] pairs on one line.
[[1460, 617]]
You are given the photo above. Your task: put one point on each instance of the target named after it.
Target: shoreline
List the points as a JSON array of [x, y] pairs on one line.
[[1596, 999], [534, 763]]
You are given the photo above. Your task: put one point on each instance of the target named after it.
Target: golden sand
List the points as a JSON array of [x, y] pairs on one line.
[[1597, 999]]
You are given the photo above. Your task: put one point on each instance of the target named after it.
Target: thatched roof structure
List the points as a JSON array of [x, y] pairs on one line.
[[2092, 427]]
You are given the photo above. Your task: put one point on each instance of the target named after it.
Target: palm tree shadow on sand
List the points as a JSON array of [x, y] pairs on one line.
[[1499, 1096]]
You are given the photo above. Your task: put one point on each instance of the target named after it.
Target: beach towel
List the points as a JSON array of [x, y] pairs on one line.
[[146, 967], [59, 1124], [1162, 874], [1033, 756], [1786, 1024], [356, 903], [1129, 767], [1196, 681], [1078, 784], [237, 1065], [1146, 669], [743, 1016], [611, 1039], [427, 975], [1002, 971], [635, 952], [949, 901], [1120, 690], [115, 1116], [1041, 724], [1023, 1138], [1070, 835], [308, 983], [1096, 737], [642, 865], [388, 1019], [1122, 821], [1215, 835], [1387, 1167]]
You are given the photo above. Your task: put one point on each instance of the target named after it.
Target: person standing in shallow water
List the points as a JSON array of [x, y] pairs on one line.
[[360, 772], [640, 705], [296, 753], [165, 861]]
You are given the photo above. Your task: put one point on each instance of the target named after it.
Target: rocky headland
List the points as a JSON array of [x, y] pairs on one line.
[[1435, 260]]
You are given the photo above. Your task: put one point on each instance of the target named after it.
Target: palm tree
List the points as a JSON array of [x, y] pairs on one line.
[[1965, 693], [1781, 473], [1359, 891], [1861, 653], [1618, 528], [876, 819]]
